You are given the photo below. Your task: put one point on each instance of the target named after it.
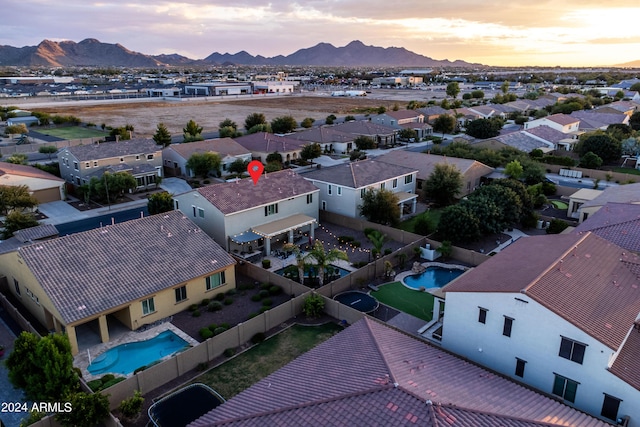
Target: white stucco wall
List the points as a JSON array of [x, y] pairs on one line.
[[535, 338]]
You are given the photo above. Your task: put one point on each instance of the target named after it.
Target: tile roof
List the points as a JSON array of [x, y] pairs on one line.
[[434, 110], [370, 374], [87, 273], [562, 119], [359, 174], [628, 193], [107, 150], [268, 143], [42, 231], [583, 278], [596, 120], [522, 141], [547, 133], [425, 163], [365, 127], [618, 223], [323, 135], [223, 146], [404, 114], [627, 362], [232, 197], [26, 171]]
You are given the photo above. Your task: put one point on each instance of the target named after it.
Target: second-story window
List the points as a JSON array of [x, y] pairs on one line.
[[572, 350], [309, 198], [149, 156], [508, 325], [271, 209]]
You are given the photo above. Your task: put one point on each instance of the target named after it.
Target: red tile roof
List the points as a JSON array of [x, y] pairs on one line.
[[370, 374], [627, 363], [618, 223], [562, 119], [583, 278], [24, 170]]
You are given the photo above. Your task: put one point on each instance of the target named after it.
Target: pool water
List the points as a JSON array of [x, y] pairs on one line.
[[433, 277], [126, 358], [341, 271]]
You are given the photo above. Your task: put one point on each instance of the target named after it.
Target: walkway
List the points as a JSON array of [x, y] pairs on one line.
[[515, 235]]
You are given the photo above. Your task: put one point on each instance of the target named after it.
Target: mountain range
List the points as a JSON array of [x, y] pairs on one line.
[[91, 52]]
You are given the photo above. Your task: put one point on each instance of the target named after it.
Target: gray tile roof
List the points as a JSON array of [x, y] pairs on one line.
[[628, 193], [223, 146], [38, 232], [618, 223], [596, 120], [365, 127], [323, 135], [425, 163], [88, 273], [522, 141], [351, 379], [107, 150], [580, 277], [562, 119], [268, 143], [231, 197], [547, 133], [359, 174]]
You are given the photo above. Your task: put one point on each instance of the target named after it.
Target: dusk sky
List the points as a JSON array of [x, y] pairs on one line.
[[544, 33]]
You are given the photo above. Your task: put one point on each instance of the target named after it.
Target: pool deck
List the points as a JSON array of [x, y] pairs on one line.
[[81, 360], [401, 276]]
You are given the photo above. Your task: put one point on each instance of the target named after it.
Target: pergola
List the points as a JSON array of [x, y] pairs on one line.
[[284, 225]]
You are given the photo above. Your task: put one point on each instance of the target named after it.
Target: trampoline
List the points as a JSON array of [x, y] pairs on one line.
[[184, 406], [358, 300]]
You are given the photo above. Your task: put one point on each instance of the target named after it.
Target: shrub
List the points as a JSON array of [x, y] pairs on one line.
[[231, 292], [548, 188], [132, 406], [252, 315], [265, 286], [313, 305], [228, 301], [106, 378], [556, 226], [245, 286], [193, 307], [229, 352], [368, 231], [275, 290], [220, 296], [214, 306], [202, 366], [212, 326], [256, 298], [263, 293], [204, 302], [219, 330], [112, 382], [258, 338], [95, 385], [539, 200], [356, 243], [263, 309], [267, 302], [387, 251], [225, 325], [205, 333], [266, 263], [196, 313]]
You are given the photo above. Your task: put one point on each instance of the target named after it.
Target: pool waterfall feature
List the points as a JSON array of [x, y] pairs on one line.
[[431, 276]]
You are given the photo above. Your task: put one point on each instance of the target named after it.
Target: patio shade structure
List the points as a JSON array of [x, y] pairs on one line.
[[405, 198], [283, 225], [245, 237]]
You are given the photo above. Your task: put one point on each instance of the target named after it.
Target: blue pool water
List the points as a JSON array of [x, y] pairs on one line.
[[126, 358], [340, 270], [433, 277]]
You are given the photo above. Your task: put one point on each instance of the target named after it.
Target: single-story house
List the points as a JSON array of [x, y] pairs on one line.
[[176, 156], [261, 144], [330, 139], [618, 223], [45, 187], [381, 134], [629, 193]]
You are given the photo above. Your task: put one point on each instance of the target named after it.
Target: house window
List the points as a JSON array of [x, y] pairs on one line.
[[201, 212], [363, 192], [565, 388], [324, 205], [610, 407], [181, 293], [572, 350], [17, 286], [520, 367], [121, 159], [271, 209], [408, 179], [194, 210], [395, 183], [95, 164], [382, 186], [177, 204], [329, 189], [309, 198], [75, 165], [508, 324], [87, 165], [339, 190], [149, 156], [148, 306], [482, 315], [215, 280], [137, 156]]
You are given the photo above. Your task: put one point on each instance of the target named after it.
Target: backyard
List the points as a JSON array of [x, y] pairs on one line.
[[396, 295], [433, 216], [238, 374], [72, 132]]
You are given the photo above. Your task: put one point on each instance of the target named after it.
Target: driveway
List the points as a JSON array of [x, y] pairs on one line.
[[175, 185], [60, 212]]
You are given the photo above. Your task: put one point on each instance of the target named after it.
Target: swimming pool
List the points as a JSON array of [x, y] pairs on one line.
[[433, 277], [126, 358], [294, 271]]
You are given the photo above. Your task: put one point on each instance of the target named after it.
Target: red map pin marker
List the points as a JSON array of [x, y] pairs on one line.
[[255, 169]]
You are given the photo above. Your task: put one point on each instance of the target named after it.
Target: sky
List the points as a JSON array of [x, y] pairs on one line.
[[571, 33]]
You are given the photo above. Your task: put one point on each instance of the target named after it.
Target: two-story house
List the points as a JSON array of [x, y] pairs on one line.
[[248, 218], [405, 119], [342, 187], [132, 273], [142, 158], [559, 313], [560, 122], [176, 156]]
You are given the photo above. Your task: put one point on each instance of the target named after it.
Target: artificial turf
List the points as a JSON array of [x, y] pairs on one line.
[[416, 303]]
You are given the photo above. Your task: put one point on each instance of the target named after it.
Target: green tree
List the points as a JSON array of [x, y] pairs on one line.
[[381, 109], [590, 161], [313, 306], [635, 87], [162, 136], [263, 127], [445, 249], [238, 166], [229, 132], [514, 169], [600, 143], [331, 118], [16, 197], [89, 409], [18, 159], [283, 124], [377, 239], [380, 206], [533, 172], [504, 87], [444, 184], [48, 149], [43, 367], [254, 119], [307, 122], [322, 258], [310, 152], [228, 123], [123, 133], [634, 121], [203, 163], [477, 94], [484, 128], [453, 89], [132, 406], [408, 134], [444, 123], [506, 200], [274, 157], [192, 132], [557, 226], [273, 167], [299, 255], [160, 202], [19, 129], [364, 142], [17, 220], [349, 118], [459, 224]]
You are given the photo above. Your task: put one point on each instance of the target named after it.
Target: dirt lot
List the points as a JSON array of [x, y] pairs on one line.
[[145, 116]]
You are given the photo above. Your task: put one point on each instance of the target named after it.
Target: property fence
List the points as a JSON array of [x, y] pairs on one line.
[[602, 175], [33, 148], [13, 311]]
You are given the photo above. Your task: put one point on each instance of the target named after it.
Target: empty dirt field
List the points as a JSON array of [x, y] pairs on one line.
[[146, 115]]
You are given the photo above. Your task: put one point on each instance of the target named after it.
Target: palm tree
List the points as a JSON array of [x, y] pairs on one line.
[[299, 259], [377, 240], [322, 259]]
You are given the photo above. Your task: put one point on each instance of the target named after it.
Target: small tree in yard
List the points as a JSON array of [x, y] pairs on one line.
[[89, 409], [202, 163], [590, 161], [313, 306], [408, 134], [15, 197], [132, 406], [380, 206], [162, 135], [192, 132], [48, 149], [307, 122], [17, 220], [310, 152], [513, 169], [459, 224], [445, 249], [254, 119], [284, 124], [444, 184], [18, 159], [160, 202], [364, 143], [322, 258], [444, 123], [453, 89], [238, 166]]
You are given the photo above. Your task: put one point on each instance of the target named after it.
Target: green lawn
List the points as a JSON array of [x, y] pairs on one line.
[[416, 303], [630, 171], [73, 132], [248, 368], [559, 205], [433, 214]]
